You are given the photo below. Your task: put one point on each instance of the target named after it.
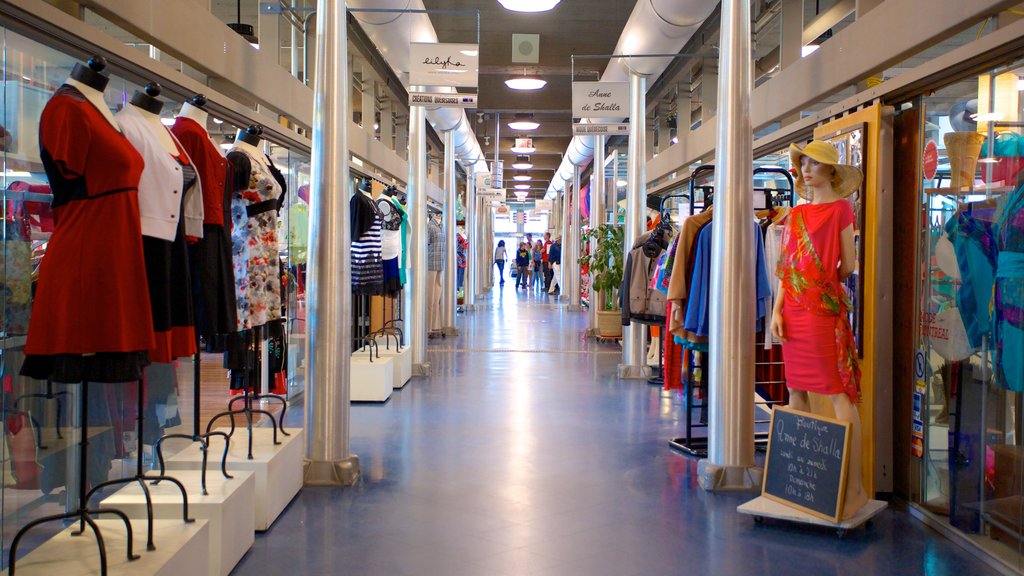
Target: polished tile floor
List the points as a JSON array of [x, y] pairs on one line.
[[523, 454]]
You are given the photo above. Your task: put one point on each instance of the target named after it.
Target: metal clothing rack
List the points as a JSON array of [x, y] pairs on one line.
[[689, 443]]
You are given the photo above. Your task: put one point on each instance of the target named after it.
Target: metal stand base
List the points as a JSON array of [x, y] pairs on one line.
[[450, 331], [719, 478], [631, 372], [343, 472], [421, 369], [694, 447], [248, 411]]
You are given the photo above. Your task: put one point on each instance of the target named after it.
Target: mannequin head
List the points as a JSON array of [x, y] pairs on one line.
[[147, 100], [250, 135], [91, 75]]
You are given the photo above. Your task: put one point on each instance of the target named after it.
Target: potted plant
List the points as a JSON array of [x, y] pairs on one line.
[[605, 262]]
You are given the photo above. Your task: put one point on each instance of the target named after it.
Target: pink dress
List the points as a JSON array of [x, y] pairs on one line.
[[815, 356]]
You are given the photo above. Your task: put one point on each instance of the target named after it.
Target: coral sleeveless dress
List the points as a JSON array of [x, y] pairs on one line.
[[819, 351]]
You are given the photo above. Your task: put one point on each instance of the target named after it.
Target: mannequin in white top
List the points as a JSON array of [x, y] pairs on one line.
[[91, 84], [149, 107]]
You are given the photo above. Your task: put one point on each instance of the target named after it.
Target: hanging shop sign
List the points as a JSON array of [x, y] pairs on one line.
[[930, 160], [493, 194], [598, 129], [543, 205], [502, 209], [449, 100], [497, 171], [483, 182], [435, 64], [520, 217], [806, 463], [600, 100]]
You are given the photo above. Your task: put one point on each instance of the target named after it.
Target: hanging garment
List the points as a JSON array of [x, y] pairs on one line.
[[974, 243], [210, 256], [637, 299], [255, 198], [1008, 303], [91, 317], [16, 259], [682, 270], [167, 268], [392, 218], [437, 247], [772, 255], [819, 351], [367, 266]]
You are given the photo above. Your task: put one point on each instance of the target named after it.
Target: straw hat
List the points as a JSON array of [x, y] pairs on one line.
[[847, 179]]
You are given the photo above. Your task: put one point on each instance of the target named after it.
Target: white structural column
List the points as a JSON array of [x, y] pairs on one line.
[[571, 247], [448, 295], [596, 218], [469, 278], [479, 247], [563, 290], [634, 361], [329, 278], [730, 461], [416, 289]]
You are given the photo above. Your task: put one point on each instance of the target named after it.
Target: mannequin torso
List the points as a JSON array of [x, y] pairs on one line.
[[95, 97], [163, 135], [195, 113]]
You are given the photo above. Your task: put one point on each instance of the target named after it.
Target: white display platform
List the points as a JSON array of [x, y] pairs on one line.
[[403, 361], [229, 508], [278, 469], [371, 381], [761, 508], [180, 549]]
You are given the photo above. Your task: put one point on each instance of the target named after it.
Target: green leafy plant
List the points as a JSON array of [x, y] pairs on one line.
[[605, 262]]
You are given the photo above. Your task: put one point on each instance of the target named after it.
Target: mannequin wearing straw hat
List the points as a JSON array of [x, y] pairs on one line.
[[812, 318]]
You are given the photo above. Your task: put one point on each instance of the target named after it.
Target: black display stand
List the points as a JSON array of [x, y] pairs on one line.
[[48, 395], [254, 337], [83, 514], [196, 436]]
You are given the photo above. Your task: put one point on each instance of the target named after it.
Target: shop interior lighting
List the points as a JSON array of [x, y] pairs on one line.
[[244, 30], [529, 5], [17, 174], [523, 149], [522, 163], [521, 178], [525, 83], [808, 49], [218, 121], [521, 195], [524, 122], [522, 186], [621, 183], [167, 121]]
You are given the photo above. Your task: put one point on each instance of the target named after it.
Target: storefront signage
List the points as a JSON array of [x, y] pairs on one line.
[[442, 100], [930, 161], [544, 205], [498, 172], [919, 365], [525, 144], [483, 182], [600, 100], [434, 64], [806, 463], [596, 129], [493, 194]]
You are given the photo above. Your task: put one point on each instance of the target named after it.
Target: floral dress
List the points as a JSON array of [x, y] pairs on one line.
[[1008, 301], [254, 247]]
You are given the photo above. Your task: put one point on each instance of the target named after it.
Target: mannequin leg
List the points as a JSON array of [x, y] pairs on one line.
[[856, 497], [798, 400]]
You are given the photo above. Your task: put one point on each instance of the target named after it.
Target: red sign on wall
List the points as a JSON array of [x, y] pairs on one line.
[[931, 160]]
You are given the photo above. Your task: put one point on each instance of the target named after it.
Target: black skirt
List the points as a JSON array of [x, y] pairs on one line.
[[213, 286]]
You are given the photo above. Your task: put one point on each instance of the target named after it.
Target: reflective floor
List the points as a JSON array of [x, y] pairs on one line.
[[523, 454]]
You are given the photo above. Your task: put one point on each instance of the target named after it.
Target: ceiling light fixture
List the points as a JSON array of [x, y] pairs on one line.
[[524, 122], [522, 163], [525, 83], [521, 178], [244, 30], [521, 196], [522, 186], [524, 149], [529, 5]]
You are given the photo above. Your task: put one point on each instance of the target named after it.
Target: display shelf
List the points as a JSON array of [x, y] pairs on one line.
[[277, 468], [181, 549], [229, 507], [372, 381]]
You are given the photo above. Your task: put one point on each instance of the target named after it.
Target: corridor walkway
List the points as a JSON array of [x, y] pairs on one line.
[[523, 455]]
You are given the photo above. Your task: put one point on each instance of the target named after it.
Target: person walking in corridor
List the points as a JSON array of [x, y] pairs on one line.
[[555, 262], [499, 258], [523, 266]]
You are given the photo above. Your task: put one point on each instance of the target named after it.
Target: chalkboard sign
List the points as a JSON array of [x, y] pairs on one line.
[[806, 463]]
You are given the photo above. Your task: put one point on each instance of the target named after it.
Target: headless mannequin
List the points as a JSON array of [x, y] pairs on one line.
[[91, 84], [194, 112], [149, 107], [248, 140], [821, 192]]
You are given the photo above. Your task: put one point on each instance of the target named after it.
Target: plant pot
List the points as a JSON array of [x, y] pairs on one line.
[[609, 323], [963, 149]]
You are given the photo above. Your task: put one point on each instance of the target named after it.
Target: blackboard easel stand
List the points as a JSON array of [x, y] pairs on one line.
[[761, 508]]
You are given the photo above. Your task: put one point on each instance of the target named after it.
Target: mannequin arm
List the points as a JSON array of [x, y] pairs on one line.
[[848, 255]]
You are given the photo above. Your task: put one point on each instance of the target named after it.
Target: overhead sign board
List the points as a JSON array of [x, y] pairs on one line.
[[436, 64], [493, 194], [543, 205], [449, 100], [483, 182], [600, 99], [597, 129], [497, 172]]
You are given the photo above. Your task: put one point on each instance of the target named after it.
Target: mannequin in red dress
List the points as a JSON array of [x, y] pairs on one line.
[[811, 316]]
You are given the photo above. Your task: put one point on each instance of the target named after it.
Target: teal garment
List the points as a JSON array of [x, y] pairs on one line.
[[405, 240], [974, 242], [1007, 144], [1008, 300]]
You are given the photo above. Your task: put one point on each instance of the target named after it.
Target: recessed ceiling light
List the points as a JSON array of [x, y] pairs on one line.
[[522, 186], [523, 149], [218, 121], [528, 5], [521, 178], [525, 83], [522, 163], [524, 122], [167, 121]]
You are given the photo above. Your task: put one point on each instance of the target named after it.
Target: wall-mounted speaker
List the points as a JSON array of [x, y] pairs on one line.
[[526, 48]]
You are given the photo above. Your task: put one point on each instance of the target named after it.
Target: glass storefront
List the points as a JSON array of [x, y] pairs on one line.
[[968, 435], [40, 446]]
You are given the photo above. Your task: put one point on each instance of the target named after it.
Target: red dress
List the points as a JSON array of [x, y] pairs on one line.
[[91, 316], [816, 351]]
